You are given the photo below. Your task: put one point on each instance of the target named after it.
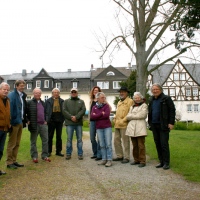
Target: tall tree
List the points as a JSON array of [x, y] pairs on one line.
[[144, 33]]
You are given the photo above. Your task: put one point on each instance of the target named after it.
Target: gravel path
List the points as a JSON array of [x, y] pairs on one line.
[[84, 180]]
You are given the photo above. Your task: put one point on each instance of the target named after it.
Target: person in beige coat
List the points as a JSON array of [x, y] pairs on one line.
[[121, 122], [137, 129]]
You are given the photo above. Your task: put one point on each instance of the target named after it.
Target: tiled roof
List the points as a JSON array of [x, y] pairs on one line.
[[55, 75]]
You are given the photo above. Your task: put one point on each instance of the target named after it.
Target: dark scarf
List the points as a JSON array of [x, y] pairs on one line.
[[139, 104]]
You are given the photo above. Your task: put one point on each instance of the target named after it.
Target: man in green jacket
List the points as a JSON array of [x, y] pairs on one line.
[[73, 111]]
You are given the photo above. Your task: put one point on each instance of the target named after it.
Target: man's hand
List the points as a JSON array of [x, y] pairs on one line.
[[170, 126], [73, 118]]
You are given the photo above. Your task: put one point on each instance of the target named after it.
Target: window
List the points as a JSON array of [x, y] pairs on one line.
[[38, 84], [188, 91], [58, 85], [195, 91], [196, 107], [172, 92], [28, 98], [46, 84], [29, 85], [116, 84], [74, 84], [189, 107], [182, 76], [45, 98], [176, 76], [103, 85], [110, 74], [165, 91]]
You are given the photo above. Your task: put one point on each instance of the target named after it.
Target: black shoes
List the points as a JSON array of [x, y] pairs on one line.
[[142, 165], [166, 166], [2, 173], [60, 154], [49, 154], [159, 165], [135, 163], [93, 157], [12, 166], [18, 165], [98, 159], [125, 161], [117, 159]]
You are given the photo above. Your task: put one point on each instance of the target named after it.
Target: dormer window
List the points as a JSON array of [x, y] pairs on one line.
[[38, 84], [46, 84], [110, 73]]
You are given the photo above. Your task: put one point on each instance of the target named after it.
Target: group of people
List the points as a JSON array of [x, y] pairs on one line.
[[44, 118], [130, 125]]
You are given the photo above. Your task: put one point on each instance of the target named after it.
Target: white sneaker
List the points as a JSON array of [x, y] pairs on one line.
[[108, 164]]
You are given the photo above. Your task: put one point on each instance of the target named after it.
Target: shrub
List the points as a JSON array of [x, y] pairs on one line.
[[187, 126], [86, 123]]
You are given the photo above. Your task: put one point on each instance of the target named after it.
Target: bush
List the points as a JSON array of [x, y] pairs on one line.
[[187, 126], [86, 123]]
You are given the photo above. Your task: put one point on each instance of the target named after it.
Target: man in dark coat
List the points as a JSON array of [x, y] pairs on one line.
[[37, 125], [55, 119], [161, 120]]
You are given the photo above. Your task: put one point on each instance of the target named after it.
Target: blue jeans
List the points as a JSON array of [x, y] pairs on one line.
[[70, 131], [105, 139], [2, 142], [95, 143]]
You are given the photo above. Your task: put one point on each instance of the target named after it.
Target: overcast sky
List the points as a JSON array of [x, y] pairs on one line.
[[56, 35], [53, 34]]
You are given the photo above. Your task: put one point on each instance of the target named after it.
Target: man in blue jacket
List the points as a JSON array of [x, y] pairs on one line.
[[18, 107]]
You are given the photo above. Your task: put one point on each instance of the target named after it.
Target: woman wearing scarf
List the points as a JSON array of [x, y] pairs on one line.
[[137, 129], [100, 113]]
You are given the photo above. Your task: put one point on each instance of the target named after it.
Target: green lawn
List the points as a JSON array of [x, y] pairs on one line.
[[184, 147], [185, 153]]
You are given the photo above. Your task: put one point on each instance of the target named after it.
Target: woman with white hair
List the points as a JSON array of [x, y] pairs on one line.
[[100, 113], [137, 129]]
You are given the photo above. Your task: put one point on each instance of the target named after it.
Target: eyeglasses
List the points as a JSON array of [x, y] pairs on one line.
[[73, 91]]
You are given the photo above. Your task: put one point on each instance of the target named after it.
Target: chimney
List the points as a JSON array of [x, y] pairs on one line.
[[23, 72], [92, 66], [69, 70], [129, 65]]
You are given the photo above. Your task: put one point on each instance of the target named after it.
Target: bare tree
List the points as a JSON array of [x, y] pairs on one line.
[[144, 34]]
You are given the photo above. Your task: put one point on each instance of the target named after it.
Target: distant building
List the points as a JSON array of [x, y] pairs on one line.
[[180, 81]]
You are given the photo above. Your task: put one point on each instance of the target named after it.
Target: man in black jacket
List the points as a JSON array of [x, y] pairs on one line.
[[55, 119], [161, 120], [37, 125]]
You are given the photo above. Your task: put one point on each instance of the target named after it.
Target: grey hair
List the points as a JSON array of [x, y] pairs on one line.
[[37, 89], [99, 94], [55, 89], [138, 94], [4, 84], [157, 85]]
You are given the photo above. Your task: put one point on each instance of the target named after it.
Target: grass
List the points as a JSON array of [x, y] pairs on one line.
[[184, 150]]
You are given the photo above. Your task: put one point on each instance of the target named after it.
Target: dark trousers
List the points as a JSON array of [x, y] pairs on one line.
[[161, 139], [52, 126]]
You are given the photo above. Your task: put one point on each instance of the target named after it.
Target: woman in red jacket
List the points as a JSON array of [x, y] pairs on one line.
[[100, 113]]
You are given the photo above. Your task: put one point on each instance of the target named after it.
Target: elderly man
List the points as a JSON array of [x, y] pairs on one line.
[[37, 125], [121, 122], [161, 120], [55, 119], [5, 117], [18, 107], [73, 111]]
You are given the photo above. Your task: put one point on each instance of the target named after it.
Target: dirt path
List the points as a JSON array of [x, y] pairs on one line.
[[76, 179]]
